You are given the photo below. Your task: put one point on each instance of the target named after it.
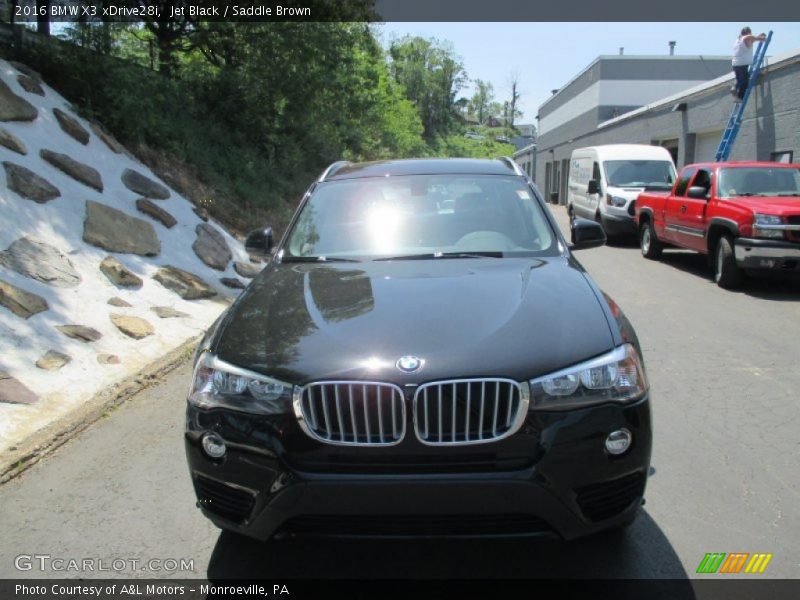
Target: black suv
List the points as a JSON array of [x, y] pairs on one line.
[[422, 356]]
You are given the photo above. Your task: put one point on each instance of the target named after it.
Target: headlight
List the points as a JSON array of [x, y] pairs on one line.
[[615, 201], [617, 376], [217, 384], [764, 226]]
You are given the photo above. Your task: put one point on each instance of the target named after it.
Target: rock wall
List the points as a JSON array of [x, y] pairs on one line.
[[103, 268]]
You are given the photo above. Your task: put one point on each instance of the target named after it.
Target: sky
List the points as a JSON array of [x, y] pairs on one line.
[[546, 56]]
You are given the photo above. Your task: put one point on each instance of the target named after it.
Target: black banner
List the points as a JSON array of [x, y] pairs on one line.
[[398, 10], [372, 589]]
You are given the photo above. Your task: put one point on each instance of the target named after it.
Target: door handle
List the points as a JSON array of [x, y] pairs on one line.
[[683, 208]]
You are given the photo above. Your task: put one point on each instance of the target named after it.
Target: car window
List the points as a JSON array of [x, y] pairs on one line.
[[702, 179], [683, 182], [421, 214]]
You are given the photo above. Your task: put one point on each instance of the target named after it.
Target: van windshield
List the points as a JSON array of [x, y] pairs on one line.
[[654, 174]]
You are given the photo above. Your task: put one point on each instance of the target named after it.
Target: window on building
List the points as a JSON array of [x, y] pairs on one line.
[[672, 147], [781, 156]]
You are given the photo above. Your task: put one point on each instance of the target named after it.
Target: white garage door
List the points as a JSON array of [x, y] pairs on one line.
[[705, 148]]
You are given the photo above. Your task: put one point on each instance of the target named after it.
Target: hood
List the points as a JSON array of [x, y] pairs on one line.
[[510, 317], [774, 205], [630, 193]]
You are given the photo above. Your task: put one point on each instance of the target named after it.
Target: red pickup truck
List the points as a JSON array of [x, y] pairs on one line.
[[744, 215]]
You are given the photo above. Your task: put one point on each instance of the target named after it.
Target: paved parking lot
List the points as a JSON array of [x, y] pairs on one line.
[[724, 374]]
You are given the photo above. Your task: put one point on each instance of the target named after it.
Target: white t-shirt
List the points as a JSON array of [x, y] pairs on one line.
[[742, 53]]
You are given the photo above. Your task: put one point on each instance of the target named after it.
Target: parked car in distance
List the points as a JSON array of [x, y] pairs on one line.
[[471, 135], [744, 215], [423, 355], [604, 182], [502, 139]]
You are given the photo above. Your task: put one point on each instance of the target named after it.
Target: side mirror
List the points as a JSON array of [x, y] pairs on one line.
[[586, 234], [259, 242], [697, 191], [593, 187]]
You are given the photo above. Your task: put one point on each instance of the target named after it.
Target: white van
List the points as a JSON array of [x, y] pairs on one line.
[[604, 182]]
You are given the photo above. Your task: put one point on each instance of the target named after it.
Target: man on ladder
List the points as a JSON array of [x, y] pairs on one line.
[[746, 77], [743, 58]]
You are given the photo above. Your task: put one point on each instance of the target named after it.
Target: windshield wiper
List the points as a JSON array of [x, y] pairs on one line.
[[750, 194], [788, 194], [318, 259], [435, 255]]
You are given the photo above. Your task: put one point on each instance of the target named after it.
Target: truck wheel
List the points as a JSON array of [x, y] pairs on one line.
[[649, 243], [726, 273]]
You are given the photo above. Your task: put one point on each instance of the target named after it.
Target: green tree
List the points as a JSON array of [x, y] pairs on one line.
[[482, 100], [431, 76]]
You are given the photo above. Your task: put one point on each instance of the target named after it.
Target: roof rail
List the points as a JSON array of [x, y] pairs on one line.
[[513, 164], [332, 169]]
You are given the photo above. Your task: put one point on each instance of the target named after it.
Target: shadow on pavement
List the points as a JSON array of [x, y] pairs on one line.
[[772, 288], [766, 287], [688, 261], [642, 551], [623, 241]]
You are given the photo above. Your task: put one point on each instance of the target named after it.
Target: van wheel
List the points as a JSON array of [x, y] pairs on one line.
[[726, 273], [648, 242]]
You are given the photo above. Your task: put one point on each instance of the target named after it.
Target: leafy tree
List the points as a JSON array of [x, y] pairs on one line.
[[169, 32], [431, 76], [482, 100]]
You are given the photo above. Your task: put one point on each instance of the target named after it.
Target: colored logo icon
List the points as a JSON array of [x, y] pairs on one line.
[[734, 563]]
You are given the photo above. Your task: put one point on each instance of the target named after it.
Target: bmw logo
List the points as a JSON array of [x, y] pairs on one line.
[[409, 364]]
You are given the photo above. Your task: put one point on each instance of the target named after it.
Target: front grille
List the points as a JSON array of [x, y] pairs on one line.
[[415, 525], [604, 500], [468, 411], [352, 413], [224, 500]]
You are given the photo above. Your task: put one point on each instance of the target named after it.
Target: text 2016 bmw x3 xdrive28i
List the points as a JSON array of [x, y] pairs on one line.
[[422, 356]]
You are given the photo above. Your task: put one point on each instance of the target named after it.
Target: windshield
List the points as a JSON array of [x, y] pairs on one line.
[[421, 216], [658, 174], [758, 181]]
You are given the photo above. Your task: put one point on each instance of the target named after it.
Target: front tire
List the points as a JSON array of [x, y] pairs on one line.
[[648, 242], [726, 273]]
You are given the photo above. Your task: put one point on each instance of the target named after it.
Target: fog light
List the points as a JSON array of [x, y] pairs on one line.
[[214, 446], [618, 441]]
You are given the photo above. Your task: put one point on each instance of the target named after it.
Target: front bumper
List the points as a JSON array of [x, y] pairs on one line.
[[771, 255], [568, 487], [618, 224]]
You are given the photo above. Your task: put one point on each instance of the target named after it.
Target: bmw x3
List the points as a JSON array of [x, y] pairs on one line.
[[422, 355]]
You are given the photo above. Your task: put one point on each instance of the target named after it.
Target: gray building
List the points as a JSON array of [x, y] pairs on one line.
[[525, 157], [689, 123]]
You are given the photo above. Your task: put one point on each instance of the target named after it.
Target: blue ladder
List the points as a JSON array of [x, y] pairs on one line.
[[735, 120]]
